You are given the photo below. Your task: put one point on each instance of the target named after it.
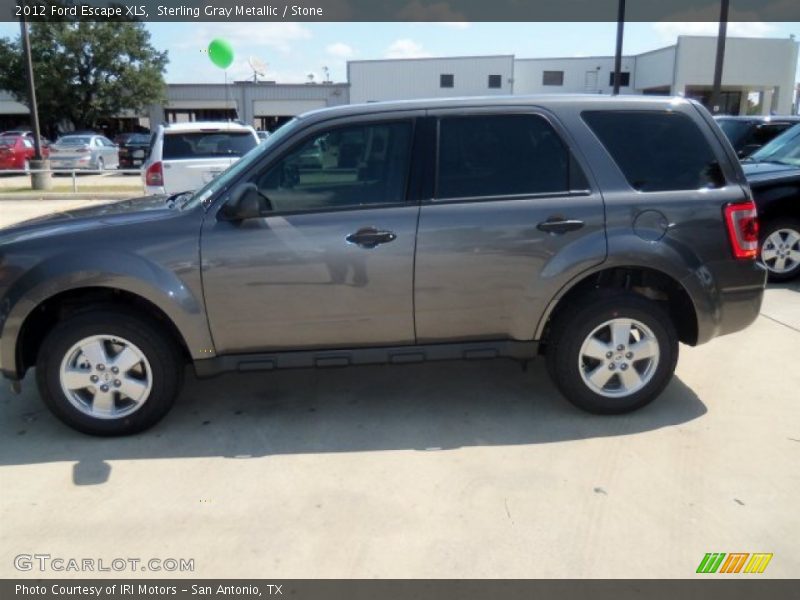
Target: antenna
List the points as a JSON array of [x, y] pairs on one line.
[[259, 67]]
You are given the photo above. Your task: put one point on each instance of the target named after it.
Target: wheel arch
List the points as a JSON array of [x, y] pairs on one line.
[[645, 281]]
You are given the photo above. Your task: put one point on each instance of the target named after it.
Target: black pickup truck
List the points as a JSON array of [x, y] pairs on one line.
[[773, 173]]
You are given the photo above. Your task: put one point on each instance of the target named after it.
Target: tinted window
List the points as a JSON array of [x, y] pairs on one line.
[[783, 149], [766, 133], [495, 81], [345, 167], [446, 81], [500, 155], [553, 78], [207, 144], [657, 151], [735, 130]]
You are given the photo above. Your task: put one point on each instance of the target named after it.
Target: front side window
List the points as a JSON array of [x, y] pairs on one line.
[[500, 155], [657, 150], [346, 167]]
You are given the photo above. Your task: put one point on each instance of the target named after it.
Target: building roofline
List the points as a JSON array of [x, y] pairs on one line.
[[601, 56], [473, 56]]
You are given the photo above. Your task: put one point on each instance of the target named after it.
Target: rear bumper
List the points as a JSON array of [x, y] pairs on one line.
[[727, 296]]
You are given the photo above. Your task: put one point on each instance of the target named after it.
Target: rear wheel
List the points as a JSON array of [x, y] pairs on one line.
[[612, 353], [108, 373], [780, 248]]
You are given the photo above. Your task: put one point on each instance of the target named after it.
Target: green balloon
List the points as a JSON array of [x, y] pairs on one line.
[[221, 53]]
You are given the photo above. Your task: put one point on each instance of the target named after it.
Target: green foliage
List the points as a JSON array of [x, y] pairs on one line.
[[86, 71]]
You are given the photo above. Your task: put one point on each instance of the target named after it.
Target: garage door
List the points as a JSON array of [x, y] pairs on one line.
[[285, 108]]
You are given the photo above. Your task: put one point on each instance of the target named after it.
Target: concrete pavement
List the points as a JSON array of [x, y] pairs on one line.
[[457, 469]]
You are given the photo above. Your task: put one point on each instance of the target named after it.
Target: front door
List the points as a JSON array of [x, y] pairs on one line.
[[332, 263], [511, 221]]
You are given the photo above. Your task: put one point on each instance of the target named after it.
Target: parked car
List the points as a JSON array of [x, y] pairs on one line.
[[749, 133], [16, 152], [186, 156], [27, 134], [262, 135], [774, 176], [598, 231], [85, 151], [133, 150]]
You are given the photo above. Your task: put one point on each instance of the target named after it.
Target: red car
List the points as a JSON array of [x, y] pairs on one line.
[[17, 151]]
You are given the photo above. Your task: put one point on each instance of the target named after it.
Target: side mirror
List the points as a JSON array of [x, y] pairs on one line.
[[245, 202]]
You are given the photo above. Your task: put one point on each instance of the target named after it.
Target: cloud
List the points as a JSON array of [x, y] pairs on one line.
[[670, 30], [277, 36], [340, 50], [406, 48]]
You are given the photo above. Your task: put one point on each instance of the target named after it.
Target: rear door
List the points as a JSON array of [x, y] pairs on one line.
[[511, 218], [190, 159]]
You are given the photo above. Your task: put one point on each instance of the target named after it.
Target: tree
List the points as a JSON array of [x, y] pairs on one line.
[[86, 71]]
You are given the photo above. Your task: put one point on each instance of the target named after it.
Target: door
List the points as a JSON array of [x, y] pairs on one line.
[[512, 219], [190, 159], [590, 83], [331, 264]]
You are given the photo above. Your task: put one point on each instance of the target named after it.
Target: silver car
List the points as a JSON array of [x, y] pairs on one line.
[[88, 151]]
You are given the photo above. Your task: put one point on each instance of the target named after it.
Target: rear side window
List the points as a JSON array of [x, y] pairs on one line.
[[657, 151], [207, 144], [500, 155]]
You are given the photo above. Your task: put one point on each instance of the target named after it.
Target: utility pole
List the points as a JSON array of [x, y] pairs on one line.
[[723, 31], [618, 54], [26, 55]]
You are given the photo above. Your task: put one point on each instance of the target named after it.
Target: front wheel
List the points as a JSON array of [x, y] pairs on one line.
[[612, 353], [108, 373], [780, 248]]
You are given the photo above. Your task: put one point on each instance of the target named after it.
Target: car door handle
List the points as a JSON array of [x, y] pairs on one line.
[[559, 225], [369, 237]]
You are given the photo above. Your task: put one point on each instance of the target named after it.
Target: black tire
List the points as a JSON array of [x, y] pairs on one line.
[[573, 325], [161, 352], [767, 229]]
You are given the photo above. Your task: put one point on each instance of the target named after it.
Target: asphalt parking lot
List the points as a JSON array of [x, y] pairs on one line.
[[472, 469]]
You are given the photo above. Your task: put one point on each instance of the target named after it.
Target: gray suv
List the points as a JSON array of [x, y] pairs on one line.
[[599, 232]]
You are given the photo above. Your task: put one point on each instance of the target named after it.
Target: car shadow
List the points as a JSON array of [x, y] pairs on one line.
[[427, 407]]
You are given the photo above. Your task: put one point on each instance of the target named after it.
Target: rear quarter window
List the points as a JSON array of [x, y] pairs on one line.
[[657, 151]]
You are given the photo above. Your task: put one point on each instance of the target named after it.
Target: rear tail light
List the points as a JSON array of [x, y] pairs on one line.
[[82, 150], [742, 222], [154, 175]]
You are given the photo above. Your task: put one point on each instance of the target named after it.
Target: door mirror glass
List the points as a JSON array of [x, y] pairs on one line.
[[246, 202]]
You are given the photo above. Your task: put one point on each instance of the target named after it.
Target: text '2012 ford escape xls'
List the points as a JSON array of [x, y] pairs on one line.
[[597, 231]]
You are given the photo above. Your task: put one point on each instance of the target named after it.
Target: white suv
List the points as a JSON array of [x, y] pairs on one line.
[[185, 156]]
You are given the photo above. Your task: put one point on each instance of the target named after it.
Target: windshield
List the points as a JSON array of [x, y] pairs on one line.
[[76, 140], [734, 129], [231, 173], [784, 149], [139, 138]]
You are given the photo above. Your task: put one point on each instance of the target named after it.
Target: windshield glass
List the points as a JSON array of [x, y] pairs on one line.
[[784, 149], [734, 129], [75, 140], [231, 173]]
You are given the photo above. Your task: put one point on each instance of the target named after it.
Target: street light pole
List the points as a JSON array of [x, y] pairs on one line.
[[618, 54], [723, 32], [26, 52]]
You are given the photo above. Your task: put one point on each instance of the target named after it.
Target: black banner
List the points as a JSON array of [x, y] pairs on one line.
[[395, 10], [651, 589]]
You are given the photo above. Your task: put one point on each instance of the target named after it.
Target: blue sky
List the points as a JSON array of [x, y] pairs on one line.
[[293, 50]]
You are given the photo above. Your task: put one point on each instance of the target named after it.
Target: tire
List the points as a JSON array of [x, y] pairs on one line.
[[779, 248], [580, 330], [82, 349], [101, 166]]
